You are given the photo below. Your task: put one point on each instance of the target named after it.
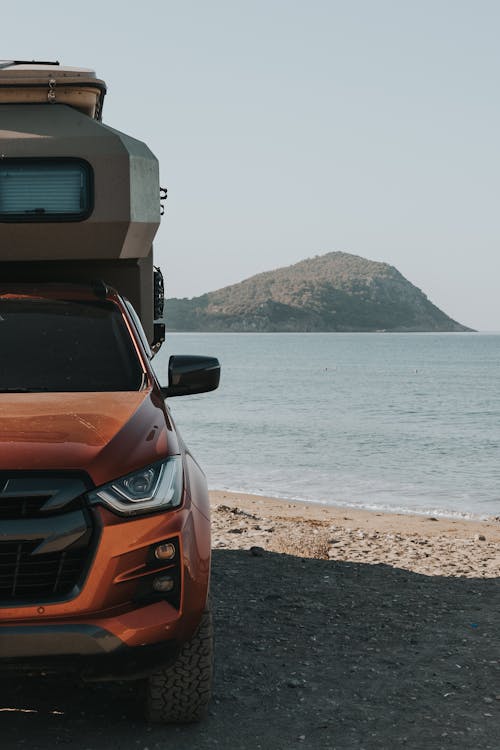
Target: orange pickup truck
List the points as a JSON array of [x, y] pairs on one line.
[[104, 515]]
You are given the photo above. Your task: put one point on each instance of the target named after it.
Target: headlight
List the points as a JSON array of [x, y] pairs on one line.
[[155, 487]]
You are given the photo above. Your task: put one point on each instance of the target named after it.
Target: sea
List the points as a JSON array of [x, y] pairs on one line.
[[387, 421]]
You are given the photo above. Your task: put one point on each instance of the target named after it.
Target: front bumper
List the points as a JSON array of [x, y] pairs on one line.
[[87, 650], [116, 626]]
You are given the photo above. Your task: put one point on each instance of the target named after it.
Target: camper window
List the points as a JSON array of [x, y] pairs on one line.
[[45, 190]]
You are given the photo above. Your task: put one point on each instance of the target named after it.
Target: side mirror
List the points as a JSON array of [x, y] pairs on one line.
[[189, 374]]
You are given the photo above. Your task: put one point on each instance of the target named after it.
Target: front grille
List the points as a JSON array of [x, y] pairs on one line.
[[21, 507], [46, 538], [26, 577], [31, 507]]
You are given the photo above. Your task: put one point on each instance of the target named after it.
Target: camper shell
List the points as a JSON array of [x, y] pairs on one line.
[[79, 200]]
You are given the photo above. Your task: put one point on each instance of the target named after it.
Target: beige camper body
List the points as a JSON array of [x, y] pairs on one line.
[[111, 238]]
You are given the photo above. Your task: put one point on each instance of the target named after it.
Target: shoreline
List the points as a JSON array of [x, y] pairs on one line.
[[429, 545], [354, 506]]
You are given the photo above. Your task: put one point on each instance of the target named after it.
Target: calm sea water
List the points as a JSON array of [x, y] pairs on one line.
[[392, 421]]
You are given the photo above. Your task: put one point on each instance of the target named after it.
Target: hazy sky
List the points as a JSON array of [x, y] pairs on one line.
[[286, 129]]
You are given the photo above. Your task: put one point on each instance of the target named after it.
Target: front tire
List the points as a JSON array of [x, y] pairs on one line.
[[180, 694]]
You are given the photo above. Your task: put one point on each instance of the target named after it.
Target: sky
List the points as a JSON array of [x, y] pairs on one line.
[[286, 129]]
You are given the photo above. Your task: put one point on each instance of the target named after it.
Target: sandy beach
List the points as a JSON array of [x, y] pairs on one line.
[[336, 629], [422, 544]]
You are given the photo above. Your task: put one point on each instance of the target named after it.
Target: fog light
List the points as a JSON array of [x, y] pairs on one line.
[[165, 551], [163, 584]]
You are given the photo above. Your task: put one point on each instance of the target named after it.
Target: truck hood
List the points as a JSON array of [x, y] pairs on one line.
[[104, 434]]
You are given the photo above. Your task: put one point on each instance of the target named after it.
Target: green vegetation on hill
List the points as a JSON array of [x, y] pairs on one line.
[[332, 292]]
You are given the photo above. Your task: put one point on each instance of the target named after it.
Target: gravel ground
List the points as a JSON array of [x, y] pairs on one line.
[[310, 653]]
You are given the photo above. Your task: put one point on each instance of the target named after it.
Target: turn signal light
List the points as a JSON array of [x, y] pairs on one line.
[[165, 551]]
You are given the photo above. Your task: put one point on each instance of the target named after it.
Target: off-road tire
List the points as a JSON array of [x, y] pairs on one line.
[[180, 694]]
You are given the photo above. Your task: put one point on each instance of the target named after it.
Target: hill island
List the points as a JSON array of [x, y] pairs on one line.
[[332, 292]]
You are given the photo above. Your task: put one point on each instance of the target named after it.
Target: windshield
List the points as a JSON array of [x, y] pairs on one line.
[[60, 345]]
